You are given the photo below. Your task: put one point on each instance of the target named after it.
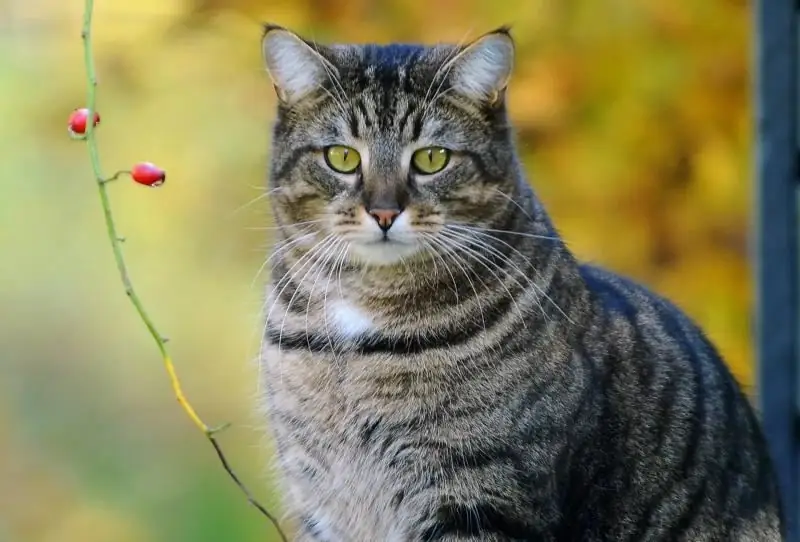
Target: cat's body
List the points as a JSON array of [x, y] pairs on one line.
[[448, 370]]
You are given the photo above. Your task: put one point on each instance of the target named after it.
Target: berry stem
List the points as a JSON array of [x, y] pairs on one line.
[[116, 245], [115, 176]]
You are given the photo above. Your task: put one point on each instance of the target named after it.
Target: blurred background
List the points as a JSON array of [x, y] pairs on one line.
[[634, 119]]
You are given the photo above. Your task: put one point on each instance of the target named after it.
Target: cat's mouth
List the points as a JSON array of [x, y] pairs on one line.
[[387, 239], [386, 242], [385, 250]]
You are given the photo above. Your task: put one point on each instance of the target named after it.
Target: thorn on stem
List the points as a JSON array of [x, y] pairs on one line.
[[121, 239], [128, 291], [164, 340]]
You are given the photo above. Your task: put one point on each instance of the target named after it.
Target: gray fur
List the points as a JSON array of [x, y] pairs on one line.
[[463, 377]]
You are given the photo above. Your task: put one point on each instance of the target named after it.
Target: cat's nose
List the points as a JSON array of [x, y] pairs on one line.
[[385, 217]]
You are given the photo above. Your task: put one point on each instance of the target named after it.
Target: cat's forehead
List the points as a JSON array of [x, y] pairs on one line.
[[401, 67], [380, 92]]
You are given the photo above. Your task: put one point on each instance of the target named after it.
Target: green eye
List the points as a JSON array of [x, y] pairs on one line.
[[342, 159], [430, 160]]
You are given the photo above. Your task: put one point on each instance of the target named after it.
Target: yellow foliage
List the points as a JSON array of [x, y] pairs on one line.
[[94, 523]]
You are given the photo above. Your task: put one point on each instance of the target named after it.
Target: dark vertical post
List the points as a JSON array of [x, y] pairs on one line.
[[776, 241]]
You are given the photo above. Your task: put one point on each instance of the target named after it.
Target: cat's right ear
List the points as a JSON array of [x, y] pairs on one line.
[[482, 69], [295, 67]]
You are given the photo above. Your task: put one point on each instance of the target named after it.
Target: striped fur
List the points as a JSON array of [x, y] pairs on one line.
[[485, 386]]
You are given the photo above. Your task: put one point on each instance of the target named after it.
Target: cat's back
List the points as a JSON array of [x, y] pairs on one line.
[[647, 331], [675, 411]]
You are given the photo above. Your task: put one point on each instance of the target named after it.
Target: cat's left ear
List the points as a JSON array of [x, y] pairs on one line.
[[482, 69], [297, 69]]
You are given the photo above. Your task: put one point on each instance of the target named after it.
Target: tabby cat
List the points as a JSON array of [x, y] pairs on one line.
[[436, 364]]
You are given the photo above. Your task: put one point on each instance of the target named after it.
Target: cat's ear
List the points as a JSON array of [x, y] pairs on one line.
[[297, 69], [482, 69]]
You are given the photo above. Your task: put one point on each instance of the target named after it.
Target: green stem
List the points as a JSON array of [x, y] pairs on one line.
[[94, 157], [116, 241]]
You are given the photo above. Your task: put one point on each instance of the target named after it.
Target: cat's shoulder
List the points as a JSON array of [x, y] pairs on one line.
[[630, 311], [620, 296]]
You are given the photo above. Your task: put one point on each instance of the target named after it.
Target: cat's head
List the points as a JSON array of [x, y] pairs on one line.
[[392, 151]]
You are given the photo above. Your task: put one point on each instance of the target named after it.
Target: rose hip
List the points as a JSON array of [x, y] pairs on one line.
[[148, 174], [78, 120]]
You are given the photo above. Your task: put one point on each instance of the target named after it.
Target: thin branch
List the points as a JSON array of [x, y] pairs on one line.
[[116, 244]]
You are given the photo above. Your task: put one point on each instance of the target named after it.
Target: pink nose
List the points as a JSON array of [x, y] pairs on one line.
[[384, 217]]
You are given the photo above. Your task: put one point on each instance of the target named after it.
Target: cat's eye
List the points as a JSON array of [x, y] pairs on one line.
[[430, 160], [342, 159]]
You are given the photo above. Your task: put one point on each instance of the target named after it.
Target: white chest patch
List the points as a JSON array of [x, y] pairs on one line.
[[348, 321]]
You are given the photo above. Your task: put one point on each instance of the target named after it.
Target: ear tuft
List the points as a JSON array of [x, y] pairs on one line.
[[295, 67], [481, 71]]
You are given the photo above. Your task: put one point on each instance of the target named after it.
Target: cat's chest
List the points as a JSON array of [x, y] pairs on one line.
[[313, 366], [347, 320], [332, 415], [334, 455]]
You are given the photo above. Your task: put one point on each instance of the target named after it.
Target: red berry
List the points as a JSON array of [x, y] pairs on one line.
[[148, 174], [78, 118]]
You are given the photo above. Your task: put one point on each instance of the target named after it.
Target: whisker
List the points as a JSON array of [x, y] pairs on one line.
[[539, 288], [405, 265], [339, 274], [338, 263], [434, 256], [338, 101], [446, 268], [492, 250], [449, 248], [467, 227], [440, 95], [532, 283], [480, 259], [283, 227], [291, 274], [486, 245], [330, 252], [511, 200], [280, 249], [508, 261], [323, 248], [341, 97], [256, 199], [447, 66], [286, 279]]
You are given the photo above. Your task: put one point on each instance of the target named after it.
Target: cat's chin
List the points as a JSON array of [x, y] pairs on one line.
[[383, 253]]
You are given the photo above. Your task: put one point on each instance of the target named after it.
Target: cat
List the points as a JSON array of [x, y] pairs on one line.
[[437, 365]]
